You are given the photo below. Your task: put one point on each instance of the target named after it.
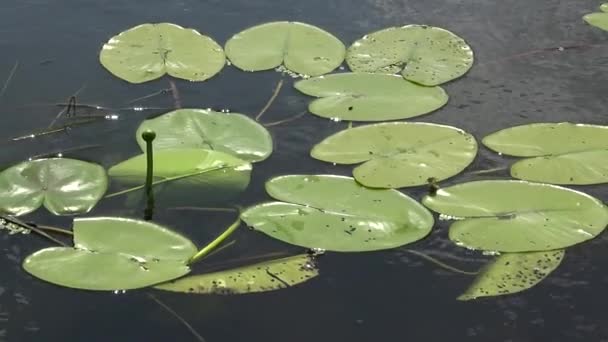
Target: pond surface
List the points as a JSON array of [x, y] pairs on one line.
[[520, 76]]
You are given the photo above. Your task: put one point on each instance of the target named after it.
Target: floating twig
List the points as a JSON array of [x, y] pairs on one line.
[[145, 97], [275, 93], [33, 228], [439, 263], [53, 229], [175, 93], [63, 111], [245, 260], [293, 118], [179, 318], [225, 210], [9, 78]]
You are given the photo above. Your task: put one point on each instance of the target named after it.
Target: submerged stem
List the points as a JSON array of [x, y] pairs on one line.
[[176, 315], [8, 79], [213, 244], [177, 102], [275, 93], [439, 263], [293, 118], [149, 137]]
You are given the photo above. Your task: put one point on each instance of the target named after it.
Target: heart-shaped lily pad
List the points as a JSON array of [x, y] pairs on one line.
[[262, 277], [64, 186], [565, 153], [338, 214], [370, 97], [302, 48], [213, 176], [113, 253], [422, 54], [600, 19], [513, 272], [231, 133], [148, 51], [399, 154], [518, 216]]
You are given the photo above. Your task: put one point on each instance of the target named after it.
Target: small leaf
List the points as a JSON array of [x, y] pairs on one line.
[[370, 97], [303, 48], [262, 277], [423, 54], [148, 51], [513, 272], [230, 133], [112, 253], [399, 154], [566, 153], [64, 186], [518, 216], [600, 19], [338, 214]]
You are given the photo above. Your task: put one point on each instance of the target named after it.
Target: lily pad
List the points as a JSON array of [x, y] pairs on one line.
[[262, 277], [231, 133], [513, 272], [370, 97], [399, 154], [338, 214], [64, 186], [600, 19], [113, 253], [423, 54], [518, 216], [302, 48], [146, 52], [565, 153], [210, 175]]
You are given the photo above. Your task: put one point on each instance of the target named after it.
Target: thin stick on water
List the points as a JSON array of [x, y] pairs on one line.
[[215, 243], [54, 229], [492, 170], [275, 93], [34, 229], [223, 210], [221, 248], [179, 318], [9, 78], [175, 93], [65, 109], [280, 122], [145, 97], [439, 263], [245, 260], [58, 153]]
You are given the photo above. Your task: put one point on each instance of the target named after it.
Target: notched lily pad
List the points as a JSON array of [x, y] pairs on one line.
[[564, 153], [518, 216], [399, 154], [262, 277], [148, 51], [113, 253], [600, 19], [231, 133], [63, 186], [338, 214], [423, 54], [370, 97], [302, 48], [513, 272]]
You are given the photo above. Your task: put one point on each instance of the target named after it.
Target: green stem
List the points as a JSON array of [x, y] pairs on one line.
[[213, 244]]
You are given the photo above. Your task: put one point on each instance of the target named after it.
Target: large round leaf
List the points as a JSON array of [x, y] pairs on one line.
[[399, 154], [370, 97], [231, 133], [146, 52], [112, 253], [303, 48], [600, 19], [262, 277], [64, 186], [513, 272], [518, 216], [566, 153], [338, 214], [422, 54], [212, 176]]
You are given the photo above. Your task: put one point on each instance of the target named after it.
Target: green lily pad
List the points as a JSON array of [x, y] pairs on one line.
[[518, 216], [370, 97], [302, 48], [231, 133], [600, 19], [565, 153], [64, 186], [513, 272], [338, 214], [399, 154], [423, 54], [113, 253], [212, 176], [148, 51], [261, 277]]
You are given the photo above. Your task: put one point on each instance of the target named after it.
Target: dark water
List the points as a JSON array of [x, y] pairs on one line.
[[380, 296]]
